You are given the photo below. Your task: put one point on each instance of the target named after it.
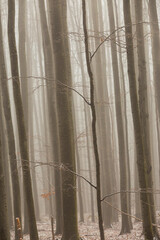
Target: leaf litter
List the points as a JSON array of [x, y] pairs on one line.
[[88, 231]]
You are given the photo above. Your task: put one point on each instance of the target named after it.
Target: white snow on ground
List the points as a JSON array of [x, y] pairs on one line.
[[88, 231]]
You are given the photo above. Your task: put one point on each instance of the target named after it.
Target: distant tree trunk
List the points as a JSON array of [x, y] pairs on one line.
[[64, 104], [143, 105], [4, 227], [53, 119], [32, 158], [10, 135], [20, 121], [137, 195], [93, 110], [103, 122], [125, 119], [81, 212], [78, 166], [120, 127], [141, 162], [88, 130]]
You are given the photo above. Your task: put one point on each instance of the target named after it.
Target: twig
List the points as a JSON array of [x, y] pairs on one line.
[[76, 174], [117, 209], [51, 80], [131, 191]]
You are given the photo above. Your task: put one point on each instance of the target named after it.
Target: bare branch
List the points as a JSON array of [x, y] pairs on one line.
[[51, 80]]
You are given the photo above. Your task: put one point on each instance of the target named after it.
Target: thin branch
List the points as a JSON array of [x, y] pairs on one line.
[[109, 36], [117, 209], [51, 80], [131, 191]]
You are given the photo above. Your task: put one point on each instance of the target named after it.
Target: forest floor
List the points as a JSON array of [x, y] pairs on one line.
[[89, 231]]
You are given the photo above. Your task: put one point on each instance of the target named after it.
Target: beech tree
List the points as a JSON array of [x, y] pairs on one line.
[[20, 121], [64, 109], [10, 134], [139, 137]]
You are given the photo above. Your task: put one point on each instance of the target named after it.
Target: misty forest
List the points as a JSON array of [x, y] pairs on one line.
[[79, 119]]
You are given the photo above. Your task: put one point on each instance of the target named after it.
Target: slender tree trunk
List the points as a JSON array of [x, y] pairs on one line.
[[20, 121], [103, 132], [88, 130], [24, 81], [93, 110]]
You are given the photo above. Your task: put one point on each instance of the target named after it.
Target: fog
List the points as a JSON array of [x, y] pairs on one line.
[[80, 119]]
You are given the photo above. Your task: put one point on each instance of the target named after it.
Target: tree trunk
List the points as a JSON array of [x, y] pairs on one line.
[[141, 161], [120, 127], [53, 119], [20, 121], [93, 110], [4, 227], [10, 135], [143, 106], [64, 104]]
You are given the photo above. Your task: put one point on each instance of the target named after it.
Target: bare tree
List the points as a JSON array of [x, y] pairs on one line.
[[141, 161], [58, 20], [20, 121]]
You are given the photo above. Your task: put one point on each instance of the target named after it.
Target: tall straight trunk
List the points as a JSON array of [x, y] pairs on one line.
[[23, 80], [120, 127], [6, 166], [10, 135], [154, 25], [125, 119], [143, 105], [20, 121], [53, 119], [32, 158], [22, 57], [4, 226], [141, 161], [87, 118], [64, 105], [93, 111], [78, 166]]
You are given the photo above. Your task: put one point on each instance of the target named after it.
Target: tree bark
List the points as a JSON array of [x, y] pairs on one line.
[[10, 135], [53, 119], [141, 161], [93, 110], [143, 105], [120, 126], [20, 121], [64, 104], [4, 227]]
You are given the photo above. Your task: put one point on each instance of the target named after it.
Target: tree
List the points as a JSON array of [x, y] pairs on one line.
[[143, 105], [94, 119], [120, 127], [53, 119], [10, 134], [20, 121], [141, 161], [64, 105], [4, 228]]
